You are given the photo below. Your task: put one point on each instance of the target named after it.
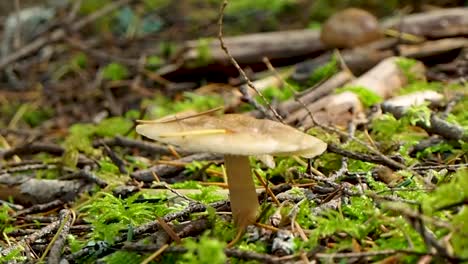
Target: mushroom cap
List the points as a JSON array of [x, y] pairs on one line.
[[233, 134], [349, 28]]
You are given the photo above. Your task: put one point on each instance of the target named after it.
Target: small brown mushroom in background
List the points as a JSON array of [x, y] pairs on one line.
[[237, 137], [349, 28]]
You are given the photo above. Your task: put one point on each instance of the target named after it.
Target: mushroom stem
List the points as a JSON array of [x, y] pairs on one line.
[[243, 197]]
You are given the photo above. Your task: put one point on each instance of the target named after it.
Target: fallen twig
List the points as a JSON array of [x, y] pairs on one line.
[[147, 147], [365, 157], [165, 171], [66, 220], [30, 239], [243, 89], [437, 125]]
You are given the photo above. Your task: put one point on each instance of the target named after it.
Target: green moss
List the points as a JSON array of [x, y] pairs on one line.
[[154, 62], [5, 219], [80, 136], [442, 147], [459, 239], [156, 4], [328, 162], [161, 106], [324, 72], [459, 115], [417, 86], [276, 93], [38, 116], [15, 256], [241, 7], [124, 257], [207, 195], [77, 141], [79, 61], [113, 126], [203, 51], [407, 66], [204, 251], [417, 114], [187, 185], [453, 192], [107, 166], [109, 214], [196, 167], [115, 72], [366, 96]]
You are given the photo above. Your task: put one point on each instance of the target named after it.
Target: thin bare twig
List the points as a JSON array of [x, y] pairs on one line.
[[243, 89], [59, 240], [296, 98], [33, 237]]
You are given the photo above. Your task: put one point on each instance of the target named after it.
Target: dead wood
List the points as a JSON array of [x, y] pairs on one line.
[[432, 48], [32, 148], [384, 80], [436, 126], [248, 49], [29, 191], [31, 238], [358, 60], [86, 175], [397, 107], [66, 220], [450, 22], [146, 147], [416, 98], [361, 156], [314, 93], [36, 208], [166, 171]]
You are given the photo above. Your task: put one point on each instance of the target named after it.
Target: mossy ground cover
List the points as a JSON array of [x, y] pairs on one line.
[[332, 208]]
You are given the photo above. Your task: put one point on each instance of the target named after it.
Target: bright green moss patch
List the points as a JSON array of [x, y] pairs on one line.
[[204, 251], [324, 72], [407, 66], [161, 106], [115, 72], [366, 96], [109, 214]]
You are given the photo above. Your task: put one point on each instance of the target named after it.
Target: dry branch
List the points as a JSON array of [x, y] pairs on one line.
[[249, 49], [166, 171], [432, 48], [385, 79], [313, 94], [437, 125], [28, 191], [448, 22]]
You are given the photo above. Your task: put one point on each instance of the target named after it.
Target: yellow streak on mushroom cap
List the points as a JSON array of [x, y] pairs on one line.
[[244, 135]]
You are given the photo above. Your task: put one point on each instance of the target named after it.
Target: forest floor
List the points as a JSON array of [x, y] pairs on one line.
[[79, 184]]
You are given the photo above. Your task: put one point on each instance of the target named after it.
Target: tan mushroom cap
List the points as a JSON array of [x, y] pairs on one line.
[[349, 28], [234, 134]]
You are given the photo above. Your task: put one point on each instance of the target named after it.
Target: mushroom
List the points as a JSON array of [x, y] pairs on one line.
[[349, 28], [237, 137]]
